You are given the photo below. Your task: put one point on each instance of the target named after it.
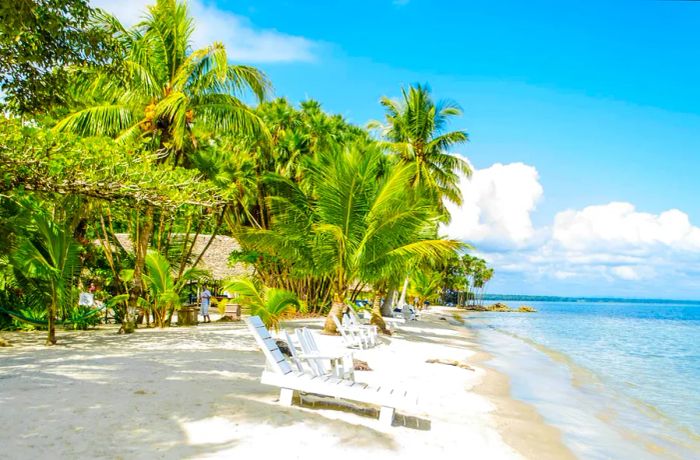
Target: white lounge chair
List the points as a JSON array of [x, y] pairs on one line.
[[407, 313], [296, 359], [280, 374], [366, 332], [325, 362], [353, 320], [352, 337]]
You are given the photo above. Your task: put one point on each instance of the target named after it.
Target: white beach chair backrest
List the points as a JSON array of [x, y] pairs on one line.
[[311, 340], [347, 320], [318, 366], [275, 358], [354, 316], [341, 329], [348, 336], [293, 351], [312, 347]]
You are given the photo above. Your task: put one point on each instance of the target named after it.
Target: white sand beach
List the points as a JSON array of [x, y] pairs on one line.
[[195, 393]]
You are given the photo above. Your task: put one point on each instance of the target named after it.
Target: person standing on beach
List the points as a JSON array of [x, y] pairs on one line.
[[205, 297]]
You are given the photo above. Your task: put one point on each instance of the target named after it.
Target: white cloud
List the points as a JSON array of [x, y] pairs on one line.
[[627, 272], [609, 247], [497, 202], [243, 41], [620, 228]]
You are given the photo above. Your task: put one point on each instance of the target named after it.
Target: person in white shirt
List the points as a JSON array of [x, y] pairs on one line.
[[205, 298]]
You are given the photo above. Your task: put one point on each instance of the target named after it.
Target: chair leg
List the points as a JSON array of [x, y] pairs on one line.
[[386, 415], [286, 396]]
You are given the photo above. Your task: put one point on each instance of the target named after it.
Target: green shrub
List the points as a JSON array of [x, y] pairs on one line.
[[34, 315], [270, 304], [81, 318], [220, 305]]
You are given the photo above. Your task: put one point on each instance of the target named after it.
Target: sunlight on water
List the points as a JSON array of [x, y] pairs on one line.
[[618, 378]]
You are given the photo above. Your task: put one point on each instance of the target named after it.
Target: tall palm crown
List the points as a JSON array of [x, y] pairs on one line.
[[415, 128], [165, 89], [353, 224]]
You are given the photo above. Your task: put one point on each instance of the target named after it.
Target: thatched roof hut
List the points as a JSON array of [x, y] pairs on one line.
[[215, 259]]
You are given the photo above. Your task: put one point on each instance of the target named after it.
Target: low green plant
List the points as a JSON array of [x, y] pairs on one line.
[[220, 305], [270, 304], [118, 304], [81, 318], [163, 289], [34, 316]]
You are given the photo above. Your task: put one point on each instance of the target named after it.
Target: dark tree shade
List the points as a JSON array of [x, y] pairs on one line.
[[39, 39]]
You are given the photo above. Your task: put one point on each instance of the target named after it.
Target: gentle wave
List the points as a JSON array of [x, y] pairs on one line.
[[585, 378], [621, 362]]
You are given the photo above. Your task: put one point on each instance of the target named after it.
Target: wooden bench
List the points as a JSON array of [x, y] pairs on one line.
[[280, 374]]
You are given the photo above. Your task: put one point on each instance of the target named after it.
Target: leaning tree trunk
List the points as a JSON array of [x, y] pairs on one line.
[[377, 319], [337, 308], [388, 307], [402, 299]]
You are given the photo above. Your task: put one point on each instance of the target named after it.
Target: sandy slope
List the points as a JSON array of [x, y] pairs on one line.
[[195, 393]]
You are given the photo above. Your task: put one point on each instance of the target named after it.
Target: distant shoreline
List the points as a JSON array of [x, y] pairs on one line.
[[538, 298]]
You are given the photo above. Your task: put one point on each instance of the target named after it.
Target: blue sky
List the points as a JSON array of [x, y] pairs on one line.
[[592, 110]]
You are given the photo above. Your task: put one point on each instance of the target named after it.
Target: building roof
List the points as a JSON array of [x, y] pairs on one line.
[[214, 260]]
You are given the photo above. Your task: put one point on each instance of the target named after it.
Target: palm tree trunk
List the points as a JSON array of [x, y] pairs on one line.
[[402, 299], [51, 339], [169, 319], [377, 318], [140, 250], [337, 309], [388, 307]]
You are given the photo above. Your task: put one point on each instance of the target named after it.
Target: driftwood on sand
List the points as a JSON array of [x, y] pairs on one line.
[[450, 362], [360, 365]]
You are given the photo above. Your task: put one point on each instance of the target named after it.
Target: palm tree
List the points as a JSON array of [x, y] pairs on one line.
[[355, 223], [163, 287], [165, 95], [48, 260], [479, 273], [425, 285], [165, 89], [415, 131], [270, 304]]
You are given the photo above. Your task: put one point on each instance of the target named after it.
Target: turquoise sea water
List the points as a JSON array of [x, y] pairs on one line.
[[620, 379]]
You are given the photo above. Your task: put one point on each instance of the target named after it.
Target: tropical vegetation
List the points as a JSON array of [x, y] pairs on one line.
[[152, 146]]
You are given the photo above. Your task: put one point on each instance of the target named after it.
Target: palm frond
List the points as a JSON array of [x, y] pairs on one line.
[[100, 120]]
